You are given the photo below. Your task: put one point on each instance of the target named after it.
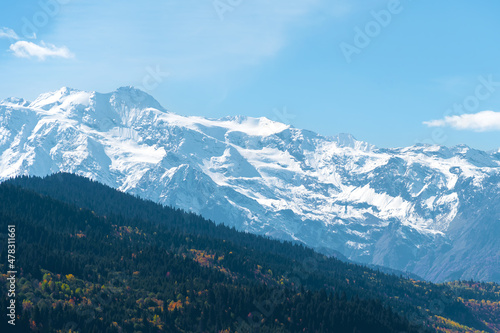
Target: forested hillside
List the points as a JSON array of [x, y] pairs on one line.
[[92, 259]]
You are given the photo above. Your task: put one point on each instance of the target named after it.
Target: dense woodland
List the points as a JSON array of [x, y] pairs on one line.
[[92, 259]]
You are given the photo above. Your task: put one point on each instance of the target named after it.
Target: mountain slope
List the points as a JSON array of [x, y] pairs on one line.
[[144, 267], [419, 209]]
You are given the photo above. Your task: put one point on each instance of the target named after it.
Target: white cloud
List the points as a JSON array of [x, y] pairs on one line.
[[23, 49], [8, 33], [480, 122]]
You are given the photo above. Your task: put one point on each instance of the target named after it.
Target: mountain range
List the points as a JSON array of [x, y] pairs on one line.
[[430, 210]]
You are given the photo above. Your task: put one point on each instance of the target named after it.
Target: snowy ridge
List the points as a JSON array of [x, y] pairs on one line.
[[405, 208]]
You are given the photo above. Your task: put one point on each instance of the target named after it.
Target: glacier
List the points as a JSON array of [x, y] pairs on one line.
[[430, 210]]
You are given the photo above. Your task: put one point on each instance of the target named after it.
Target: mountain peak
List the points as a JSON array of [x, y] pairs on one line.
[[15, 101], [129, 89], [128, 96], [135, 98], [61, 97], [347, 140]]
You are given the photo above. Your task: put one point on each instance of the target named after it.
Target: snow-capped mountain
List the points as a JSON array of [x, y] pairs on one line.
[[430, 210]]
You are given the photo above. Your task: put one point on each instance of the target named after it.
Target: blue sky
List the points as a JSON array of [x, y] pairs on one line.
[[392, 73]]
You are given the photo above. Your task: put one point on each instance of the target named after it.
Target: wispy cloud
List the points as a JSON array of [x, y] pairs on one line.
[[23, 49], [480, 122], [8, 33], [189, 37]]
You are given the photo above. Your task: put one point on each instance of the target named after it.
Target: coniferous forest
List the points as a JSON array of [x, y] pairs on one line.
[[92, 259]]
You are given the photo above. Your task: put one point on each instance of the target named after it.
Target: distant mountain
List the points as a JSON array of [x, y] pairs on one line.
[[430, 210]]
